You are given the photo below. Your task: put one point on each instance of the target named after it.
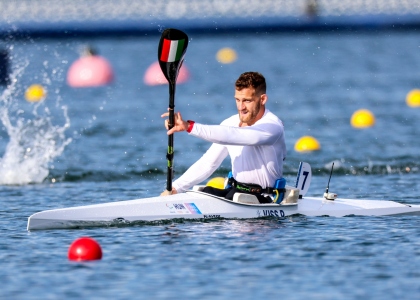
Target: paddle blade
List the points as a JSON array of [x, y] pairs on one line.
[[172, 47]]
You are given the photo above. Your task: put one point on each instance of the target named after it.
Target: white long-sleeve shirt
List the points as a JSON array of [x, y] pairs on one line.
[[257, 152]]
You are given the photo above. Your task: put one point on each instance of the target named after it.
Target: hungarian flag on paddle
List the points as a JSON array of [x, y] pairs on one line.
[[172, 46], [172, 50]]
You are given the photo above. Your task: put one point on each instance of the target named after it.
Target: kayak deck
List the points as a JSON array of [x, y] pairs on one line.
[[198, 205]]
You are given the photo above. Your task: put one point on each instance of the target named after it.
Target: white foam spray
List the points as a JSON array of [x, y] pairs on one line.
[[34, 142]]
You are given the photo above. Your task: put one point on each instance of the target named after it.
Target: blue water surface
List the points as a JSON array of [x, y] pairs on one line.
[[315, 83]]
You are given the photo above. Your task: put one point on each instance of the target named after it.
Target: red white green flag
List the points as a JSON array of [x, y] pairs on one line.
[[172, 50]]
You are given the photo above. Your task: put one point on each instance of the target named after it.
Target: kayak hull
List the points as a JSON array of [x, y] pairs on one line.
[[198, 205]]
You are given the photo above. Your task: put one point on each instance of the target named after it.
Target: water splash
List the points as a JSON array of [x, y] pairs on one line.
[[34, 142]]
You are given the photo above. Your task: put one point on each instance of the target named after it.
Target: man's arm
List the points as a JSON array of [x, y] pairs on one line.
[[264, 134], [202, 168], [261, 134]]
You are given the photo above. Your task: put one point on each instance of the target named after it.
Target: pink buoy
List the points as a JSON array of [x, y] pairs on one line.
[[89, 71], [154, 75]]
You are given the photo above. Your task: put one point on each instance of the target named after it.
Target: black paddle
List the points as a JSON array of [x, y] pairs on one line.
[[172, 46]]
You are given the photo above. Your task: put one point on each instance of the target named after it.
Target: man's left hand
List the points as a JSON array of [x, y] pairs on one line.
[[168, 193]]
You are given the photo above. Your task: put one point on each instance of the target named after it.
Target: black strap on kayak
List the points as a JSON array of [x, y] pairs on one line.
[[253, 188]]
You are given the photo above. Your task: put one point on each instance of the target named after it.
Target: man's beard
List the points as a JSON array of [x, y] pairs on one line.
[[251, 115]]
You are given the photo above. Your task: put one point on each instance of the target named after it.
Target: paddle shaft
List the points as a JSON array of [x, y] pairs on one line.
[[172, 46], [171, 122]]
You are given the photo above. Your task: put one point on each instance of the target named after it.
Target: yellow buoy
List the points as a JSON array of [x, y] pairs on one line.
[[35, 93], [226, 55], [362, 118], [217, 182], [413, 98], [307, 143]]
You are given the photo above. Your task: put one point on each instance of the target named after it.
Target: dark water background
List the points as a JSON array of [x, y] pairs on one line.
[[315, 83]]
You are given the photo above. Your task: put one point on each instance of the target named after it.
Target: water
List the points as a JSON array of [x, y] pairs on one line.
[[111, 146]]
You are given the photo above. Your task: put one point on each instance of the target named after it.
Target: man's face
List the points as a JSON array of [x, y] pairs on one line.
[[250, 106]]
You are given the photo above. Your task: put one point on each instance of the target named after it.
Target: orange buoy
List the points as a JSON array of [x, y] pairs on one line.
[[85, 248], [89, 71], [154, 75]]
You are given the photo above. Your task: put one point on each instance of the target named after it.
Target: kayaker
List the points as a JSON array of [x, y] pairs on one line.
[[253, 138]]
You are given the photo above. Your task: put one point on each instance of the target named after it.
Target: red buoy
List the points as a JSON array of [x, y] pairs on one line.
[[85, 248]]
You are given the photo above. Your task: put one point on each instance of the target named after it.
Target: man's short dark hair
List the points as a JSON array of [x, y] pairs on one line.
[[251, 79]]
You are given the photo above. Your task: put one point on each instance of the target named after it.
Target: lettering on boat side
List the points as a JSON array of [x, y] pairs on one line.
[[211, 216], [183, 208], [270, 213]]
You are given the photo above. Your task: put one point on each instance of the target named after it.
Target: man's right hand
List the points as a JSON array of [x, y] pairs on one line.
[[180, 124]]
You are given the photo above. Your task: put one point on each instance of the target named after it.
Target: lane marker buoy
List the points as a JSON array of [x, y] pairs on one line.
[[85, 248], [413, 98], [226, 55], [35, 93], [362, 118], [307, 143]]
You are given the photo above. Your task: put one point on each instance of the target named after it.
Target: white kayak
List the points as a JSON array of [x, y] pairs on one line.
[[198, 205]]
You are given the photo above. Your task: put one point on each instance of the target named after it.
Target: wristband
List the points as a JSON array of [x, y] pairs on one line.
[[190, 125]]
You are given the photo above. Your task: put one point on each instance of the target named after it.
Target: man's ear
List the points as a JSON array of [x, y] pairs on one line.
[[263, 99]]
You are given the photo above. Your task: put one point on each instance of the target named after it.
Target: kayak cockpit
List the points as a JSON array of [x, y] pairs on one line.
[[291, 197]]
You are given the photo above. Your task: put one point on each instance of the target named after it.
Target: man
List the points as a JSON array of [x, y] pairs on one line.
[[254, 140]]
